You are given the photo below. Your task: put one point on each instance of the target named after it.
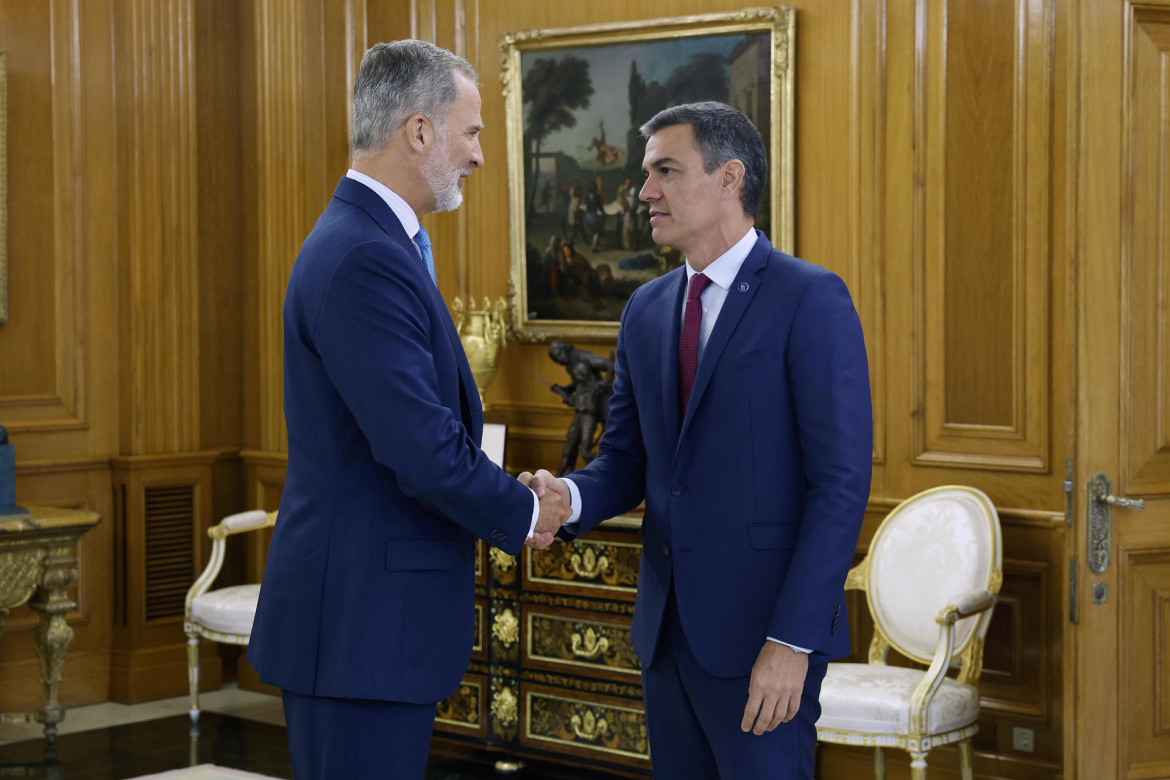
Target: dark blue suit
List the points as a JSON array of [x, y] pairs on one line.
[[754, 501], [368, 591]]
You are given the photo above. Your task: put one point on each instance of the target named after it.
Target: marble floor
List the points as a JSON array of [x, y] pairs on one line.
[[238, 729]]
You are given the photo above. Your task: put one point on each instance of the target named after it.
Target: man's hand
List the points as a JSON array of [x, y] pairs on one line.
[[554, 507], [544, 480], [774, 692]]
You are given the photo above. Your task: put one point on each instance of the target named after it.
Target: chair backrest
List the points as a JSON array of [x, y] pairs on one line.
[[931, 548]]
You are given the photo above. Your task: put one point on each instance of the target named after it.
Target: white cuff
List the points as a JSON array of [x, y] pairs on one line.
[[574, 501], [794, 647], [535, 514]]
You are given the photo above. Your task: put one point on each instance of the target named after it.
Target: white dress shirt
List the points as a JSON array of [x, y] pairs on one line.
[[722, 272]]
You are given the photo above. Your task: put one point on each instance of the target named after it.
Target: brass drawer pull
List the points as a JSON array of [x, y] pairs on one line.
[[589, 726], [591, 645], [594, 564]]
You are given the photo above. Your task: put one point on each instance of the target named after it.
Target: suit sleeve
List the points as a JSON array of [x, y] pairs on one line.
[[374, 335], [829, 377]]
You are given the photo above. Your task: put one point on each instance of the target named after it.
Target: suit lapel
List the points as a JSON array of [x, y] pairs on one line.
[[743, 289], [671, 325], [361, 196]]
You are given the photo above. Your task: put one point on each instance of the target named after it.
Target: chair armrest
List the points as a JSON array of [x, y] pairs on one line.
[[230, 525], [242, 523], [964, 605]]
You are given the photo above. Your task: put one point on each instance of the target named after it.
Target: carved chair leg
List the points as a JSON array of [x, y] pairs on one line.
[[879, 764], [966, 766], [193, 675], [917, 765]]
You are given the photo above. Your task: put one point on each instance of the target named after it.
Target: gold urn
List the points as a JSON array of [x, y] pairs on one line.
[[482, 333]]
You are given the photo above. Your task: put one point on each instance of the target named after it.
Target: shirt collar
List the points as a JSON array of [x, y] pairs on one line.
[[723, 270], [400, 208]]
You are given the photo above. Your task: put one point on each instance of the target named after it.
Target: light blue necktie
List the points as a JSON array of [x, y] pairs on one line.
[[424, 247]]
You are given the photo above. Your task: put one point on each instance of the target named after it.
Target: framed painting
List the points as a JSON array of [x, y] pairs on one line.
[[575, 99]]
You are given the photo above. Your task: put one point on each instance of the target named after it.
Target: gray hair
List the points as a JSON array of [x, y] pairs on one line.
[[721, 133], [397, 80]]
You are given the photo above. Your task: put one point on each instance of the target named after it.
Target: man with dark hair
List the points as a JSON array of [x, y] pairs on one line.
[[741, 415], [367, 604]]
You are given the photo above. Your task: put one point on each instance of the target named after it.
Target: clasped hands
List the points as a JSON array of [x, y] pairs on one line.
[[555, 506]]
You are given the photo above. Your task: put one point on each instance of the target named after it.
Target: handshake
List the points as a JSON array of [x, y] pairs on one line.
[[555, 506]]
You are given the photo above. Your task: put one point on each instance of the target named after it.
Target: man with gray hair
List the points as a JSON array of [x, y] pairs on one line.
[[367, 604], [741, 415]]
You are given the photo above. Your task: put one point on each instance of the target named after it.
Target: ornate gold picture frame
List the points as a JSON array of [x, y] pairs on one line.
[[574, 100]]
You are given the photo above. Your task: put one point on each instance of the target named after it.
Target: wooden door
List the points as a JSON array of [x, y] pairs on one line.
[[1120, 137]]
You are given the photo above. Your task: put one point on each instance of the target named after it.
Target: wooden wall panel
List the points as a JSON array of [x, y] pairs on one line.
[[982, 118], [159, 227], [1145, 250], [58, 371], [1145, 697], [42, 381]]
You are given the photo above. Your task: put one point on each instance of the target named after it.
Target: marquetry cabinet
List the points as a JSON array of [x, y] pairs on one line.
[[553, 673]]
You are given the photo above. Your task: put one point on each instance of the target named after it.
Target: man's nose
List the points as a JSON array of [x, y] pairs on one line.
[[648, 191], [477, 155]]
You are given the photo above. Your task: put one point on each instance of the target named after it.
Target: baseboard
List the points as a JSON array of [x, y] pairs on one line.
[[160, 672], [85, 679]]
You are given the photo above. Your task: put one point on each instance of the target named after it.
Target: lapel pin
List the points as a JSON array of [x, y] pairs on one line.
[[743, 286]]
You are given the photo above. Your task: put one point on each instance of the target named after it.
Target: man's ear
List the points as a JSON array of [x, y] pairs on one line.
[[732, 179], [420, 133]]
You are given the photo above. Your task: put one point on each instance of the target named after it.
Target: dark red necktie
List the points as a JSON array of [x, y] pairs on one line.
[[688, 344]]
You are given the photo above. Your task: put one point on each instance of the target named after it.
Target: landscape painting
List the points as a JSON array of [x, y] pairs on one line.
[[576, 99]]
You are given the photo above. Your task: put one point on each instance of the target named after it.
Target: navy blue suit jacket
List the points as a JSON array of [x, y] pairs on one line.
[[754, 501], [368, 591]]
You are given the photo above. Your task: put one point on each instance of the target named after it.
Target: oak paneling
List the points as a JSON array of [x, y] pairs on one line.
[[1145, 250], [159, 227], [1145, 694], [42, 379], [983, 106], [58, 372]]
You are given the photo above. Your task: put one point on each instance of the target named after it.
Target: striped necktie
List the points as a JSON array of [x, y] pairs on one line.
[[424, 247]]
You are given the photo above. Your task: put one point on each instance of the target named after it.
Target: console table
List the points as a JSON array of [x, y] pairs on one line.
[[37, 566]]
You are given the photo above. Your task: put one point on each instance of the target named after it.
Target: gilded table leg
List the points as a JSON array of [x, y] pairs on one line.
[[52, 635]]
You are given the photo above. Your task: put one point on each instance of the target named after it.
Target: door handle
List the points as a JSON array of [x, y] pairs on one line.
[[1125, 503], [1100, 536]]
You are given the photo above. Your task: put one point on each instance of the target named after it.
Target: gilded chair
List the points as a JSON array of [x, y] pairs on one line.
[[226, 614], [930, 579]]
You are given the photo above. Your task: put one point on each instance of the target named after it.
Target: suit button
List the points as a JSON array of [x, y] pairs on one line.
[[676, 490], [666, 551]]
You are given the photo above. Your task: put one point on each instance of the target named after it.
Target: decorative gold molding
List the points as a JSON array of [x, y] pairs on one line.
[[506, 628]]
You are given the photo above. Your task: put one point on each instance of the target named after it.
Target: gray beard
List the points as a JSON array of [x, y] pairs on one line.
[[443, 179]]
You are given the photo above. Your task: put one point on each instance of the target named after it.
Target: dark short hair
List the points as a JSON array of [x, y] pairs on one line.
[[722, 133], [397, 80]]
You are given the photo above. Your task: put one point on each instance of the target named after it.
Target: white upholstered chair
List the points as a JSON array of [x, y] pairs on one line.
[[930, 578], [223, 615]]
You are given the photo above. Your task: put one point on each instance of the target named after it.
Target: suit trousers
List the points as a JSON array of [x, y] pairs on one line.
[[693, 719], [342, 739]]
